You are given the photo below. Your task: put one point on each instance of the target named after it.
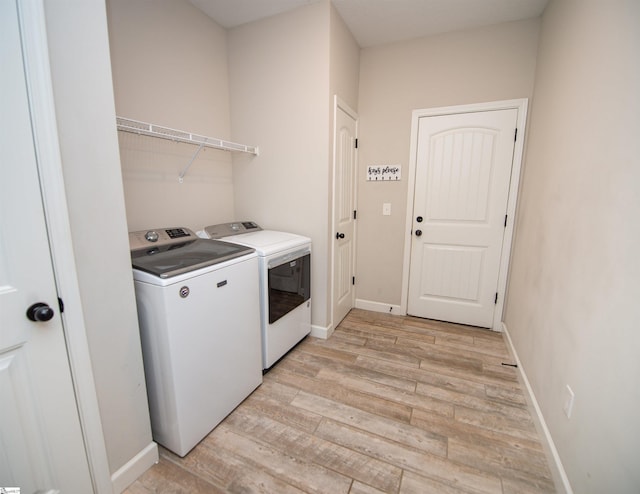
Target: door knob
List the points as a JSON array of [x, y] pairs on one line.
[[40, 312], [339, 236], [418, 233]]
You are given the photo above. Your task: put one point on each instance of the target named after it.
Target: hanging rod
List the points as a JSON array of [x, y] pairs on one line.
[[152, 130]]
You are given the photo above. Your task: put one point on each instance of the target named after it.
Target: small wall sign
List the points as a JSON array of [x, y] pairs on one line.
[[383, 173]]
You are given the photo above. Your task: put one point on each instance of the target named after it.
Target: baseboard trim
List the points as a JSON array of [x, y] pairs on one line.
[[557, 469], [380, 307], [321, 332], [136, 466]]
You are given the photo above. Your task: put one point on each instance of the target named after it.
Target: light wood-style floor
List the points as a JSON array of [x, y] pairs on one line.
[[387, 404]]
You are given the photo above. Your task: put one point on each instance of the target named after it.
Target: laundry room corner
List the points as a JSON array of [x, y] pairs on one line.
[[169, 65]]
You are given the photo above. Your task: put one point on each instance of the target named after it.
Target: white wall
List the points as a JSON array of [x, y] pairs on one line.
[[81, 75], [572, 309], [487, 64], [170, 68], [344, 68], [279, 85]]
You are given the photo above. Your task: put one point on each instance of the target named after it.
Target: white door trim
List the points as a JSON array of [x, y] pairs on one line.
[[519, 104], [44, 124], [339, 103]]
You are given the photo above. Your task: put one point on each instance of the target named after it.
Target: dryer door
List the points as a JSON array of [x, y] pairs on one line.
[[289, 284]]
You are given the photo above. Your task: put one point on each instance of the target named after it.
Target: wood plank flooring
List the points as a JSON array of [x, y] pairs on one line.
[[387, 404]]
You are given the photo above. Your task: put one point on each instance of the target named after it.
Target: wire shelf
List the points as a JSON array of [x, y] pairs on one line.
[[152, 130]]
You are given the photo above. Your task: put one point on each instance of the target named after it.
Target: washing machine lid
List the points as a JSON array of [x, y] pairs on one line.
[[168, 253]]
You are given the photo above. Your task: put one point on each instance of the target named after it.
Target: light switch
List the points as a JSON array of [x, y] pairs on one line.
[[386, 209]]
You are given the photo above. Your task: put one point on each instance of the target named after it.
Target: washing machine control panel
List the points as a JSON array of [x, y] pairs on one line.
[[234, 228], [151, 236], [157, 237]]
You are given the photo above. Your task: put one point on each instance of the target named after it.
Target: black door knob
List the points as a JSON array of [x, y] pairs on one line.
[[418, 233], [339, 235], [39, 312], [419, 219]]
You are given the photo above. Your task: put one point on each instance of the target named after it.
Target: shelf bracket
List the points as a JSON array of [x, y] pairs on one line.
[[193, 158]]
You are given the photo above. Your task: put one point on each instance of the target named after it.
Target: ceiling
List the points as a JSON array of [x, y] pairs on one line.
[[378, 22]]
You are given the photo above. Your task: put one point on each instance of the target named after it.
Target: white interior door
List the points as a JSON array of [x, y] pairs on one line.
[[344, 213], [462, 179], [42, 447]]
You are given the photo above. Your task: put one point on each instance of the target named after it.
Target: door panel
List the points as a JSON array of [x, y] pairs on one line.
[[457, 186], [42, 444], [452, 272], [463, 174], [344, 205]]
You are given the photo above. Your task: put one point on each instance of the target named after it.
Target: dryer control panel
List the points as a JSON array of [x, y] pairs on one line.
[[234, 228]]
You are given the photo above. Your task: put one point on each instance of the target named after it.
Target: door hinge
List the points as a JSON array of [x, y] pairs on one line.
[[496, 300], [355, 214], [505, 220], [515, 136], [61, 305], [353, 280], [355, 141]]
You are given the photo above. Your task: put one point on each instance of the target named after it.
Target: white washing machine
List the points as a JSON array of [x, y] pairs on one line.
[[285, 283], [199, 314]]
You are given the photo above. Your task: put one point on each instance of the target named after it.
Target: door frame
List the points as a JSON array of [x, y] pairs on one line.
[[339, 103], [519, 104], [46, 145]]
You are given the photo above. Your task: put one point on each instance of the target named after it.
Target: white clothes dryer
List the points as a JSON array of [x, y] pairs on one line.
[[284, 261]]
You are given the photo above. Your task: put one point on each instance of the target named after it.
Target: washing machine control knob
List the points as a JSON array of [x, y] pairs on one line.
[[151, 236]]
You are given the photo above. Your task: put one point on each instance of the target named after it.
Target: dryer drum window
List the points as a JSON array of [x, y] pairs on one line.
[[289, 286]]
